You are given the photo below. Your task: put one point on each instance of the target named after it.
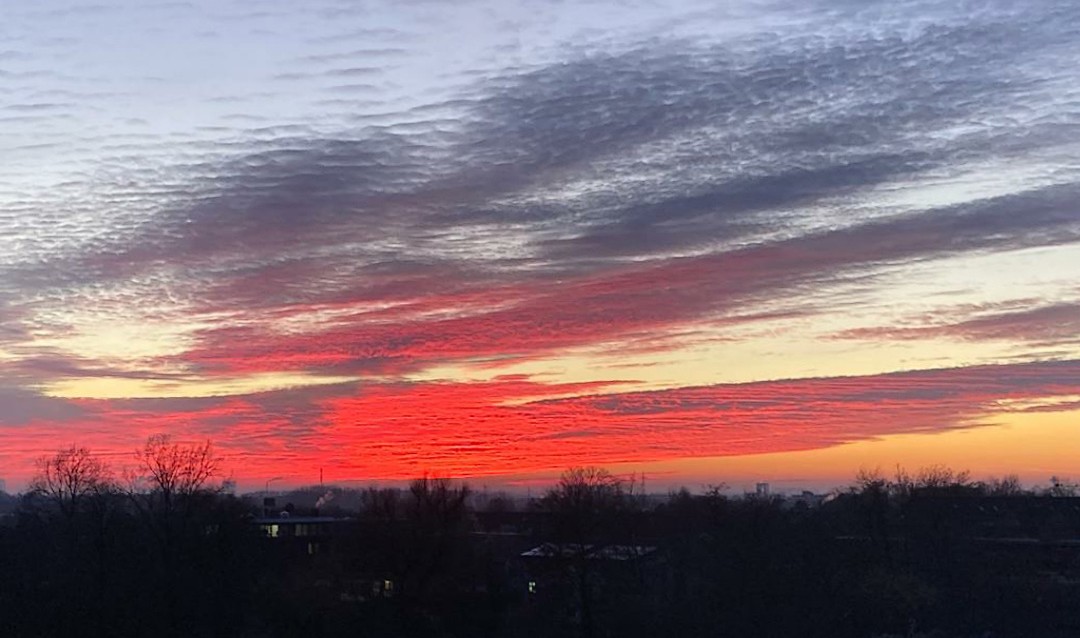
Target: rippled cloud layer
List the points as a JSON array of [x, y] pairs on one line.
[[328, 232]]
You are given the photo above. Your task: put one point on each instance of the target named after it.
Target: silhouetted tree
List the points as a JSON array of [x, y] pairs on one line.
[[587, 507], [1062, 488], [381, 504], [76, 487], [584, 504], [172, 490], [437, 515], [873, 492], [1008, 485], [69, 478], [172, 473]]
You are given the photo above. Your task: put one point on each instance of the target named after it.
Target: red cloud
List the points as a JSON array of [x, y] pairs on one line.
[[521, 320], [384, 431]]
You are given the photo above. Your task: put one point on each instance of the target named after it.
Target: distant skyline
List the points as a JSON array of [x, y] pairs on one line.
[[491, 239]]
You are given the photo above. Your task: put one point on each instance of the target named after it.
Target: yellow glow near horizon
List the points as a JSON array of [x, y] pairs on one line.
[[785, 356]]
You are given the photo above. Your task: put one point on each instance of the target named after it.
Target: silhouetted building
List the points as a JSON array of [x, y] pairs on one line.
[[547, 565], [308, 534]]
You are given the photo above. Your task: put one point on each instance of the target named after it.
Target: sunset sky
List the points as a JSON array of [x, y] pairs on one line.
[[491, 239]]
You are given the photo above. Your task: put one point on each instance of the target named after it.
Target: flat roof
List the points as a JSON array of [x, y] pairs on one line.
[[607, 552], [276, 520]]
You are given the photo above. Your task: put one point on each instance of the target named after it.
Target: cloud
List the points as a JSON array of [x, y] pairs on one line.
[[467, 429], [338, 208], [733, 132], [541, 316], [20, 407], [513, 425], [1049, 325]]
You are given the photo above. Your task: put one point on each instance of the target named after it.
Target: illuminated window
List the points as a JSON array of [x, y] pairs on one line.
[[271, 531], [388, 587], [532, 586], [312, 549]]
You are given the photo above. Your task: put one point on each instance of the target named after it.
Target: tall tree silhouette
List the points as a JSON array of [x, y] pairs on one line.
[[173, 473], [69, 478], [438, 515], [586, 506], [168, 485]]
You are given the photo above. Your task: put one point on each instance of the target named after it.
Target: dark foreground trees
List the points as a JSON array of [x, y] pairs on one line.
[[593, 556], [168, 553]]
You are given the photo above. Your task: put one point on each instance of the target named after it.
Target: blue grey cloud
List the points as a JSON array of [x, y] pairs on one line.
[[323, 160]]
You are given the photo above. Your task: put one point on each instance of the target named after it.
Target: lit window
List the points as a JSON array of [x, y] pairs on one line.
[[532, 586], [388, 587], [270, 530], [312, 549]]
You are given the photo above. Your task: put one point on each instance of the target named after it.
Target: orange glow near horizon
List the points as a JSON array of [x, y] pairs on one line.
[[1032, 446]]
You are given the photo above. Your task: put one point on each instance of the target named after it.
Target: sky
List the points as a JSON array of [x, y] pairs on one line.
[[492, 239]]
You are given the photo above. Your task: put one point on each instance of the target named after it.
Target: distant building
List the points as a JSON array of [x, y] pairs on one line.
[[762, 490], [304, 534], [580, 587], [549, 565]]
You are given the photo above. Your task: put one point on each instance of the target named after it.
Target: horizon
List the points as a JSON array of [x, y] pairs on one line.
[[536, 486], [768, 241]]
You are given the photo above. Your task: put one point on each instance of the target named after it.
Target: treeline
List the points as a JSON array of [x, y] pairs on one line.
[[162, 549]]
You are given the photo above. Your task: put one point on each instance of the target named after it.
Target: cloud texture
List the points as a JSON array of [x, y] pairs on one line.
[[322, 233]]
